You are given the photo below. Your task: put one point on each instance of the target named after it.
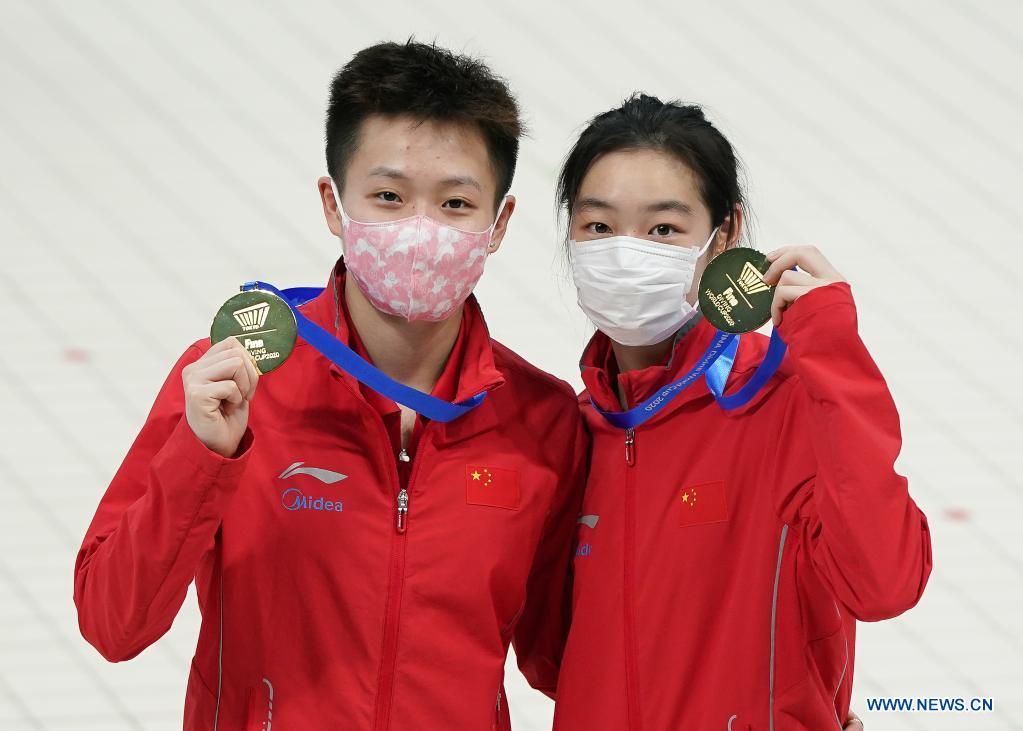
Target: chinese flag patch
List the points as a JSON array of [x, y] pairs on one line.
[[491, 486], [700, 504]]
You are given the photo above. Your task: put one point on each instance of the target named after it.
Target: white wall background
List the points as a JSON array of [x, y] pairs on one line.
[[154, 155]]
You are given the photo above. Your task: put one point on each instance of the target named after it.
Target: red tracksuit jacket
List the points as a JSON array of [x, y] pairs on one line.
[[723, 557], [317, 612]]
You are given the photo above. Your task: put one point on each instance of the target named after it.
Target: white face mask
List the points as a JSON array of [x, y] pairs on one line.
[[635, 290]]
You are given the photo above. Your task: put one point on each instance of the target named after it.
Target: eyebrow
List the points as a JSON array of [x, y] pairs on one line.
[[671, 205], [463, 180], [585, 204], [387, 172]]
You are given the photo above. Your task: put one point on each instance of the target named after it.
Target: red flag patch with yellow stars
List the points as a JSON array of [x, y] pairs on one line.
[[700, 504], [491, 486]]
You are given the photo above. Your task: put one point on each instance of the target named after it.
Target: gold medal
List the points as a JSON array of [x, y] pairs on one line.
[[262, 322], [733, 294]]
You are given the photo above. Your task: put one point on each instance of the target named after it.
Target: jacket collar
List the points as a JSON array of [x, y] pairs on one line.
[[601, 376], [470, 370]]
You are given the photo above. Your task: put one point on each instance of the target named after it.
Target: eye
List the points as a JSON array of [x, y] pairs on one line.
[[663, 229], [457, 204], [598, 228], [389, 196]]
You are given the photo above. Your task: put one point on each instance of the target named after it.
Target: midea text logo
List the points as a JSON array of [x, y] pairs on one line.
[[294, 499]]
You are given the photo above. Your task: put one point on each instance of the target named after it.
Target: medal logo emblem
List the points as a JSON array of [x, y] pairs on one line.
[[252, 318]]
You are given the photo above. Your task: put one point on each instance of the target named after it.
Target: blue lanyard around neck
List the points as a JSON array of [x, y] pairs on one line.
[[358, 367], [715, 364]]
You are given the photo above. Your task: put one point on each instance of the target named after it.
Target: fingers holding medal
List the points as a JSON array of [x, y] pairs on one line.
[[741, 289], [218, 388], [814, 271]]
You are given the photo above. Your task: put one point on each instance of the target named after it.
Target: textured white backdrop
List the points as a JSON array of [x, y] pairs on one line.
[[156, 154]]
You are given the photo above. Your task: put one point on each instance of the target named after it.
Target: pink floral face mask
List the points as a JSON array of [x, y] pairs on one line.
[[415, 267]]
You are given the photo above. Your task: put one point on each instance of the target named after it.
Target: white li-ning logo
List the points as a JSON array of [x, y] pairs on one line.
[[252, 317]]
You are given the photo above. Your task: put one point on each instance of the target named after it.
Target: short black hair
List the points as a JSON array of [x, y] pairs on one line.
[[427, 83], [681, 130]]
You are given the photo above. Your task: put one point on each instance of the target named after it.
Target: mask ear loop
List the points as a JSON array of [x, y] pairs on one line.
[[703, 250], [490, 231], [706, 246], [341, 214], [337, 200]]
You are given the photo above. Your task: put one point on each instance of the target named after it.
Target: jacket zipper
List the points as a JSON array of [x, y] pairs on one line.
[[388, 660], [631, 669], [402, 495], [497, 712]]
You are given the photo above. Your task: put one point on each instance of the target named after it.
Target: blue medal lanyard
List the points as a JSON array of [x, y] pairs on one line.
[[715, 364], [351, 362]]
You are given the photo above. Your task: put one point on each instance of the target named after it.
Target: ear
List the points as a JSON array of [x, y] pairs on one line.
[[329, 205], [501, 225], [729, 233]]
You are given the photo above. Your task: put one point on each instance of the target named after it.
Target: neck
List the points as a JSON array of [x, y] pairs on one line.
[[412, 353], [638, 357]]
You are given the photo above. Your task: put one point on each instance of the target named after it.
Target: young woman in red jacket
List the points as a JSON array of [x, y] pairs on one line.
[[724, 554]]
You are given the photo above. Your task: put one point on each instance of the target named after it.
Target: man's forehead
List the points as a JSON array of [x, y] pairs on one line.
[[422, 135], [403, 146]]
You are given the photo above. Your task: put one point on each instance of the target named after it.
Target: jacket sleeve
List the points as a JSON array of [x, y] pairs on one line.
[[542, 628], [870, 542], [153, 525]]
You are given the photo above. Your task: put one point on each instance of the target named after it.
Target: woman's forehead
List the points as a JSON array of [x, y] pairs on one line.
[[644, 179]]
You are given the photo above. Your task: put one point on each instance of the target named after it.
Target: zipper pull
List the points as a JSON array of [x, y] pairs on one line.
[[402, 509], [404, 458], [630, 446]]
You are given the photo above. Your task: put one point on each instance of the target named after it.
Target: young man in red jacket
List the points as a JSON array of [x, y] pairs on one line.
[[359, 566]]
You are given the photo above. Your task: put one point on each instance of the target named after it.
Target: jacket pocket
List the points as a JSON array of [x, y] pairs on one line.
[[830, 661], [735, 723], [259, 707], [200, 701], [809, 703]]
